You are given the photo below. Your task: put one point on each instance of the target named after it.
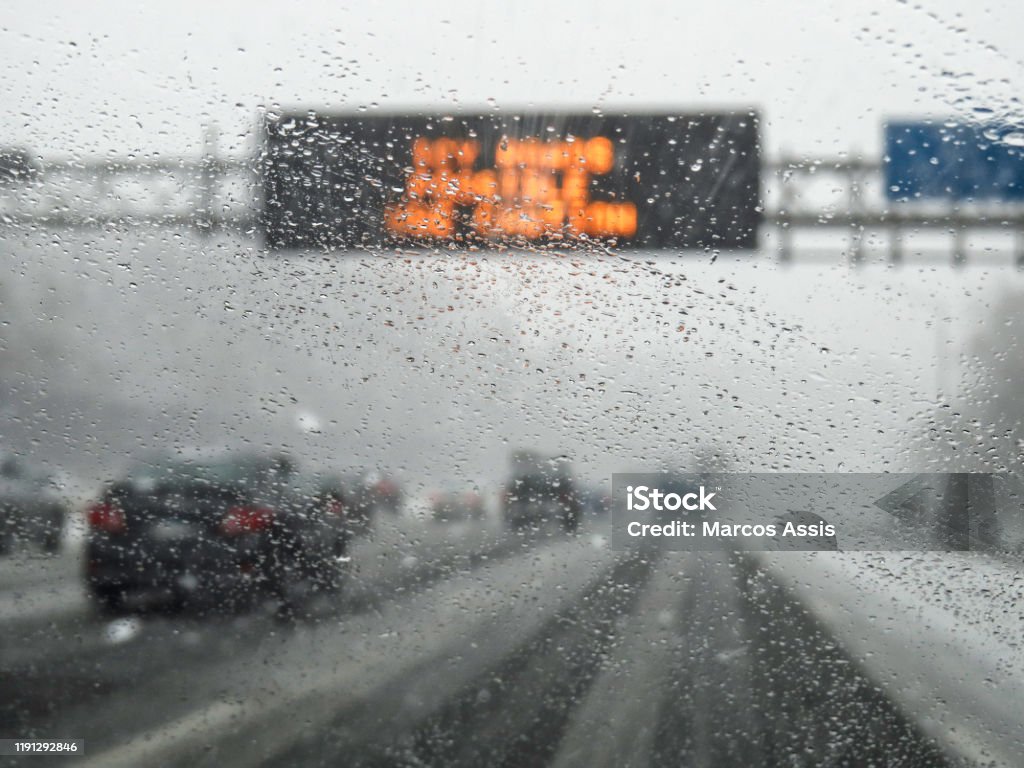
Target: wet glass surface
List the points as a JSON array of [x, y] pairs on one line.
[[307, 446]]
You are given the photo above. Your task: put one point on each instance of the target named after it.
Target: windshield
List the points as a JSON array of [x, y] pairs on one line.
[[468, 384]]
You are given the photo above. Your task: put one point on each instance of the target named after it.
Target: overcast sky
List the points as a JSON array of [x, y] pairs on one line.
[[438, 367], [86, 78]]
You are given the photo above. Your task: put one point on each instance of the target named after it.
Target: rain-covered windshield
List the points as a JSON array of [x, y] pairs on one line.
[[469, 384]]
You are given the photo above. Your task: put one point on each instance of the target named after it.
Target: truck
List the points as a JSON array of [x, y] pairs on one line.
[[541, 490]]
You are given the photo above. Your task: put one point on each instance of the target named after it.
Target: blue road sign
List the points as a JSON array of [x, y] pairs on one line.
[[957, 162]]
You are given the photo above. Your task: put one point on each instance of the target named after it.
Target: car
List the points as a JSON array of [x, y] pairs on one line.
[[17, 166], [541, 490], [230, 528], [454, 507], [596, 501], [368, 496], [360, 504], [386, 494], [31, 510], [343, 502]]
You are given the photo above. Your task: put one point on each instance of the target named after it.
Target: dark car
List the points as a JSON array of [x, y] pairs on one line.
[[345, 503], [597, 502], [31, 511], [231, 527], [540, 491], [17, 166], [360, 508]]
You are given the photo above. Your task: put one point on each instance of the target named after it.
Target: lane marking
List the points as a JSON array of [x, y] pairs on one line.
[[614, 724]]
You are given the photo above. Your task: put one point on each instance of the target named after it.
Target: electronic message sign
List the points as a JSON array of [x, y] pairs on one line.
[[655, 181]]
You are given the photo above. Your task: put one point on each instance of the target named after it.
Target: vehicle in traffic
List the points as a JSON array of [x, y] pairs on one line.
[[17, 166], [370, 494], [344, 502], [230, 528], [386, 494], [541, 490], [360, 503], [31, 510], [595, 501], [456, 507]]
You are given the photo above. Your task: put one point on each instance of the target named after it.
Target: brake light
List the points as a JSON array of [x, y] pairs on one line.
[[246, 520], [335, 507], [104, 516]]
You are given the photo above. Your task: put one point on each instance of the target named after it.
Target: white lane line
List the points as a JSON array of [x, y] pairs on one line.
[[300, 691], [615, 723]]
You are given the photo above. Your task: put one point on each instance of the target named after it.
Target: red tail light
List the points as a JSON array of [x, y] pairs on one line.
[[104, 516], [246, 520], [335, 507]]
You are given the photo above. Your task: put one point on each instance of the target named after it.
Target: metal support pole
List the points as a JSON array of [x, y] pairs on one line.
[[785, 235], [959, 251], [206, 215], [785, 242], [856, 207]]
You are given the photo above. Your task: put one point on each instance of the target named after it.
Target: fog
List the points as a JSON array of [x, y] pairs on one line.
[[437, 365]]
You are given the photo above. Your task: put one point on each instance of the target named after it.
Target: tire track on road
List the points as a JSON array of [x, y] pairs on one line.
[[480, 715]]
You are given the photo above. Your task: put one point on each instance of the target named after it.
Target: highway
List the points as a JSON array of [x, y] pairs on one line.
[[461, 645]]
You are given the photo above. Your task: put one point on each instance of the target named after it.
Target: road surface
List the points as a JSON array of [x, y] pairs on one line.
[[456, 645]]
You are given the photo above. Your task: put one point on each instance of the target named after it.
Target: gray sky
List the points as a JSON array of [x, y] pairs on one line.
[[437, 366], [86, 78]]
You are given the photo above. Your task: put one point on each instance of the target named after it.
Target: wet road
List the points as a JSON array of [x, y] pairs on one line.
[[454, 645]]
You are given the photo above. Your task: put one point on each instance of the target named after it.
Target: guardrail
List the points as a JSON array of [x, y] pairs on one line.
[[207, 193]]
